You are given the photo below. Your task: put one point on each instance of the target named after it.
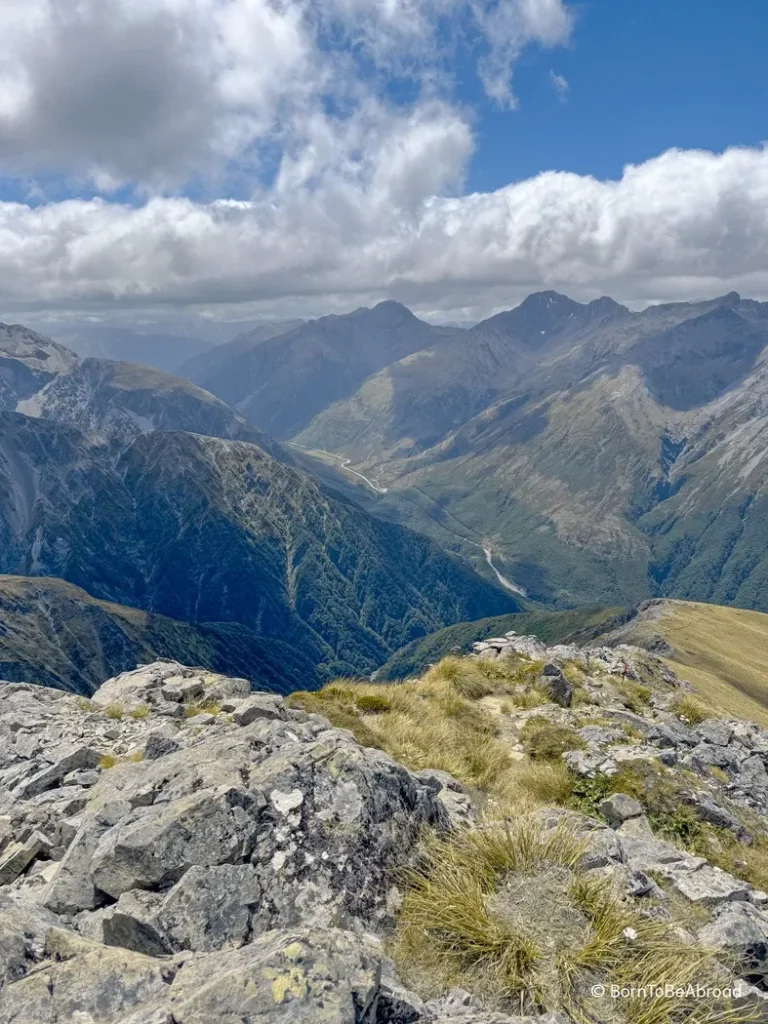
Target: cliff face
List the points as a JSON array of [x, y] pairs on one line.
[[183, 849]]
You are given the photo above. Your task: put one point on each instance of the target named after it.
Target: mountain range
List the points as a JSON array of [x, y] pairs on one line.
[[147, 491], [600, 454]]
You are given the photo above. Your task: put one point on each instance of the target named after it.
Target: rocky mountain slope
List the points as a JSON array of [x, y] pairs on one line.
[[42, 379], [282, 383], [203, 366], [202, 530], [181, 849], [56, 634], [604, 455]]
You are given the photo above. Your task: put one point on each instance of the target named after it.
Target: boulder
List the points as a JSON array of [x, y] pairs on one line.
[[741, 930], [211, 908], [618, 808], [259, 705], [556, 685]]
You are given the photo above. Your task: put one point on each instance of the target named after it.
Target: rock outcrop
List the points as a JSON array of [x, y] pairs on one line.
[[180, 850]]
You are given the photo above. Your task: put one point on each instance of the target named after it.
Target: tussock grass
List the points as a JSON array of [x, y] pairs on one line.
[[545, 741], [114, 711], [140, 712], [107, 761], [689, 710], [202, 708], [426, 723], [507, 911]]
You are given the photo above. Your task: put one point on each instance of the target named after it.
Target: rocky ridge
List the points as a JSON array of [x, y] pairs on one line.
[[181, 850]]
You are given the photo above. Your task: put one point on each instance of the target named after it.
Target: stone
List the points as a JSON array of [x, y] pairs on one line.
[[556, 685], [102, 983], [741, 930], [18, 856], [53, 774], [131, 923], [159, 744], [716, 732], [154, 846], [23, 928], [259, 705], [635, 828], [617, 808], [283, 977], [210, 908], [708, 885]]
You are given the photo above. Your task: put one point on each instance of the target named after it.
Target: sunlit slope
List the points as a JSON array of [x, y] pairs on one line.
[[722, 651]]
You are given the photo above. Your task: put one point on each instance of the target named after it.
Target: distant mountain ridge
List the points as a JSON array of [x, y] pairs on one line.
[[604, 454]]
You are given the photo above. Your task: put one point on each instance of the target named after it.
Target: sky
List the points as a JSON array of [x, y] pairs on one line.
[[249, 158]]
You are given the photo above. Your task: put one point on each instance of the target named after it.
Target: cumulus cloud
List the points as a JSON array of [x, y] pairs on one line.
[[345, 194], [158, 93], [686, 224]]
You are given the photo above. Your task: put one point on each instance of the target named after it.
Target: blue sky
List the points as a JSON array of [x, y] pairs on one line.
[[245, 158], [644, 76]]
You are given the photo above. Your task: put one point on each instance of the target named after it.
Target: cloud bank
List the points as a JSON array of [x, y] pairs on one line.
[[336, 126]]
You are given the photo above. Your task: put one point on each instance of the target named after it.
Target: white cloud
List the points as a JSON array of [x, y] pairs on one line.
[[688, 223], [560, 85], [158, 93], [352, 196]]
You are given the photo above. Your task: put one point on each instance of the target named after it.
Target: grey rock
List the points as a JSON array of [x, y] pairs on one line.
[[590, 763], [155, 845], [131, 923], [284, 977], [618, 808], [635, 828], [99, 983], [211, 907], [716, 732], [558, 687], [18, 856], [160, 743], [259, 705], [707, 885], [23, 928], [741, 930], [52, 775]]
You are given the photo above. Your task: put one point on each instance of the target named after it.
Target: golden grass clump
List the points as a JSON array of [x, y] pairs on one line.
[[424, 723], [506, 911], [689, 710], [545, 741], [114, 711], [140, 712], [203, 708]]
